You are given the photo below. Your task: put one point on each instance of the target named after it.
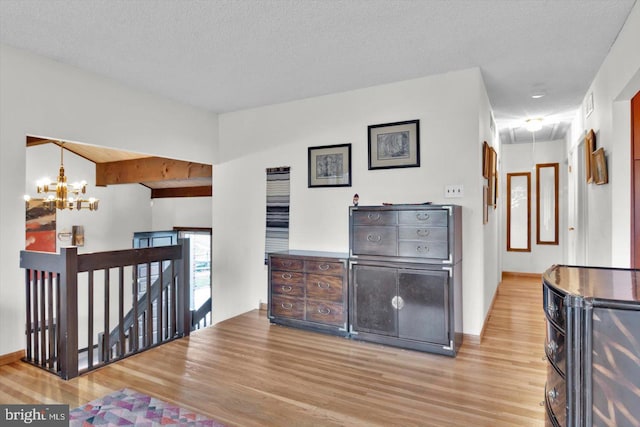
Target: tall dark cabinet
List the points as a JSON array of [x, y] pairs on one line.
[[405, 267], [592, 346]]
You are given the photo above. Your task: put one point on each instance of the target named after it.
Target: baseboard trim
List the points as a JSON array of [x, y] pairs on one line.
[[477, 339], [263, 306], [16, 356], [516, 275], [471, 339]]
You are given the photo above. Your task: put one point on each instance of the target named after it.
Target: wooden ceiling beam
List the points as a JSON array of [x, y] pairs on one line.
[[162, 193], [148, 170]]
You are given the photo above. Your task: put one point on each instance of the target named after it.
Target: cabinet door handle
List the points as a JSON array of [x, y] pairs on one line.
[[324, 311], [373, 216], [324, 267], [323, 285], [397, 302], [286, 288], [287, 305], [287, 276], [422, 232], [375, 238], [422, 216]]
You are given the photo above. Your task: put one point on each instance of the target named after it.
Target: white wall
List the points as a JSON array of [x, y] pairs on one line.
[[41, 97], [181, 212], [448, 106], [523, 158], [618, 79], [492, 257]]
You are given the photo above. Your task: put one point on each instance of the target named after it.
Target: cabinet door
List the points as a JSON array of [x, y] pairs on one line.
[[423, 311], [374, 290]]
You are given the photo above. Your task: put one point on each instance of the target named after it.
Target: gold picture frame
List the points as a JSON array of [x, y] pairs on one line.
[[589, 146], [599, 166]]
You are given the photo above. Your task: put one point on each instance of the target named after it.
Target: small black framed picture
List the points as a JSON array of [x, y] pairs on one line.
[[394, 145], [330, 166]]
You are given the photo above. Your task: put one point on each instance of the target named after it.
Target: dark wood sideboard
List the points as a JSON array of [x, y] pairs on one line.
[[592, 346], [400, 284], [308, 289], [405, 285]]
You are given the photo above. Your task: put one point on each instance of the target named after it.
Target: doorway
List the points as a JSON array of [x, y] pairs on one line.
[[635, 181], [200, 250]]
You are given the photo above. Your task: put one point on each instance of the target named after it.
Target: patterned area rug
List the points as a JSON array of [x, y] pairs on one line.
[[130, 408]]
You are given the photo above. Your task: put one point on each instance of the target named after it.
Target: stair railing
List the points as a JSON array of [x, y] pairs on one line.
[[56, 299]]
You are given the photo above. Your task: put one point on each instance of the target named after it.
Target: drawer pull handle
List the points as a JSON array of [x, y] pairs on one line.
[[286, 288], [552, 347], [422, 232], [324, 311], [552, 309], [287, 263], [286, 305], [397, 302], [553, 394], [287, 276], [375, 238], [422, 249], [422, 216], [323, 285], [324, 267], [373, 216]]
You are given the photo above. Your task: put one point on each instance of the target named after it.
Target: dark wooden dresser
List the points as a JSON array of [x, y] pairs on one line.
[[308, 290], [405, 286], [592, 346]]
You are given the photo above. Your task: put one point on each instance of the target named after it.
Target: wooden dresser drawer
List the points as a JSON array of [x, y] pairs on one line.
[[436, 217], [555, 347], [325, 267], [427, 234], [326, 312], [439, 250], [375, 241], [324, 287], [555, 395], [293, 290], [286, 278], [554, 307], [287, 307], [283, 263], [375, 218]]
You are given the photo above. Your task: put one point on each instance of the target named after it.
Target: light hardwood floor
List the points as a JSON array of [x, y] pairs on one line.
[[246, 372]]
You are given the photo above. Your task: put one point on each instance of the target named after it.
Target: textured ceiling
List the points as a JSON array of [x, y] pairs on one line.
[[227, 55]]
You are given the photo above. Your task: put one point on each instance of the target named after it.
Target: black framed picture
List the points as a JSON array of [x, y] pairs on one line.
[[394, 145], [330, 166]]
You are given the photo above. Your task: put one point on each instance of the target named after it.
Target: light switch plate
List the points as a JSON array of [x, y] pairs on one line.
[[453, 191]]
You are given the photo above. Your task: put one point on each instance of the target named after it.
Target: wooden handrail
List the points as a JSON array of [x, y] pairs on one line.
[[51, 286]]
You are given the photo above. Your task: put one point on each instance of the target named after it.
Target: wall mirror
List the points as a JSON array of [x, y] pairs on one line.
[[547, 203], [519, 212]]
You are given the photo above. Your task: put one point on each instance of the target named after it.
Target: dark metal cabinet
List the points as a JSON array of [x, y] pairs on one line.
[[405, 276], [308, 290], [592, 346]]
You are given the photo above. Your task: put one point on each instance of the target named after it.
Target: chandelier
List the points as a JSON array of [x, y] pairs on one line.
[[63, 195]]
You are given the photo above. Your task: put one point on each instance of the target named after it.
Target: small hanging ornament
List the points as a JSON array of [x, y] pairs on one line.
[[356, 198]]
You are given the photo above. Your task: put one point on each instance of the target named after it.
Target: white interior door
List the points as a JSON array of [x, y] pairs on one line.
[[577, 211]]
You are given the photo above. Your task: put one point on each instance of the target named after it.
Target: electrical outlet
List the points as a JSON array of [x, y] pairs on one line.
[[455, 190]]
